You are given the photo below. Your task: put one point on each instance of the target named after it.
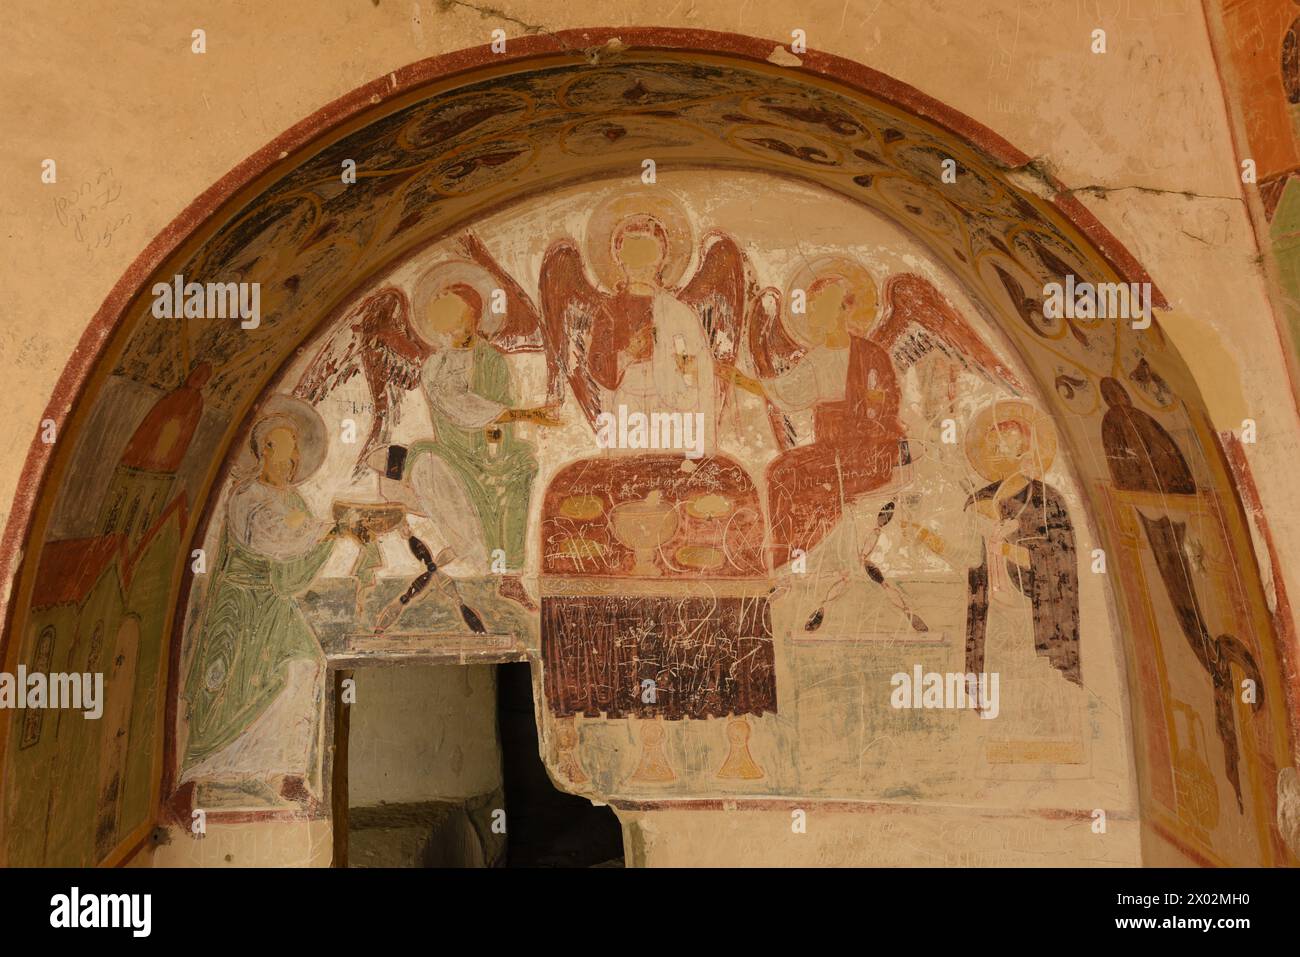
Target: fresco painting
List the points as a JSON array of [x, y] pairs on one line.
[[254, 683], [721, 480], [668, 594]]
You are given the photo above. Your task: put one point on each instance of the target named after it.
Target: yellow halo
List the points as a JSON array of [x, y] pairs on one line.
[[1038, 426], [309, 432], [450, 272], [851, 274], [621, 209]]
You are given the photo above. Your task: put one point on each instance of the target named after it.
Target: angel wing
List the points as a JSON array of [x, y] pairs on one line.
[[571, 307], [717, 293], [917, 320], [377, 341], [521, 330], [773, 352]]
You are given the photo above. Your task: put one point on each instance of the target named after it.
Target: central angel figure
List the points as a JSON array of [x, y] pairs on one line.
[[638, 337]]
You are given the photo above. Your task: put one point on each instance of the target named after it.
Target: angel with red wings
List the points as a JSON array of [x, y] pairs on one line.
[[473, 476], [379, 339], [826, 357], [646, 339]]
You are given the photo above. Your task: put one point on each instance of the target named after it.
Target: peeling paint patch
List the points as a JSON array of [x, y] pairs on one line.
[[783, 57], [610, 49]]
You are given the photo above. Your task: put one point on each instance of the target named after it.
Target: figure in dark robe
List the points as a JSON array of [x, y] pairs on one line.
[[1143, 457], [1041, 532]]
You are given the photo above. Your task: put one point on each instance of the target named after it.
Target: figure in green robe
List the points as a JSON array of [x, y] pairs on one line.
[[475, 477], [254, 683]]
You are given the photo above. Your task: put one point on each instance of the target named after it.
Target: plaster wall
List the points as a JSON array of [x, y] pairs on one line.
[[423, 734]]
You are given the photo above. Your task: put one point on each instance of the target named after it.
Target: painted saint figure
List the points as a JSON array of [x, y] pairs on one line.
[[473, 477], [833, 362], [1022, 599], [1027, 546], [1143, 457], [474, 459], [846, 381], [254, 682]]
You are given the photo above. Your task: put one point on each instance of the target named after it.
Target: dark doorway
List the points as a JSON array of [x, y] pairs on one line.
[[417, 769], [545, 827]]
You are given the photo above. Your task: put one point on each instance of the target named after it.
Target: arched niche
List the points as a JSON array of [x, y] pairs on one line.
[[148, 409]]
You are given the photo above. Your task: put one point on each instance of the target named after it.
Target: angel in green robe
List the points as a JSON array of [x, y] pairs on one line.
[[476, 475]]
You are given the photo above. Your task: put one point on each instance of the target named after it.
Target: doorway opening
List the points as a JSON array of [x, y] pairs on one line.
[[547, 827], [440, 768]]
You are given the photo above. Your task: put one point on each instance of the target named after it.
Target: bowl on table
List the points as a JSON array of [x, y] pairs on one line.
[[366, 521]]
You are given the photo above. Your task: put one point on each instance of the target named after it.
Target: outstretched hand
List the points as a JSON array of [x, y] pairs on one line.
[[540, 415], [740, 380]]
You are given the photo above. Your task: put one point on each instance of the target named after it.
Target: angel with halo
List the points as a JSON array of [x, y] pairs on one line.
[[639, 336], [827, 360], [474, 476]]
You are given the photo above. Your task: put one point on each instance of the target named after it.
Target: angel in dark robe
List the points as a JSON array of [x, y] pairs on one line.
[[638, 336]]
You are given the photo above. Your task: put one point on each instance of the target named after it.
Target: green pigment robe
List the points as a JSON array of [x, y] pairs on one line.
[[473, 385], [250, 631]]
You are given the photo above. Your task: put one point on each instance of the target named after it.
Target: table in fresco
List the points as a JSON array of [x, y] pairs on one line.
[[655, 590]]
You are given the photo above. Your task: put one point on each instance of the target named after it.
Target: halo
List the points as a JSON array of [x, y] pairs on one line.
[[305, 421], [1042, 437], [450, 272], [851, 273], [616, 211]]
